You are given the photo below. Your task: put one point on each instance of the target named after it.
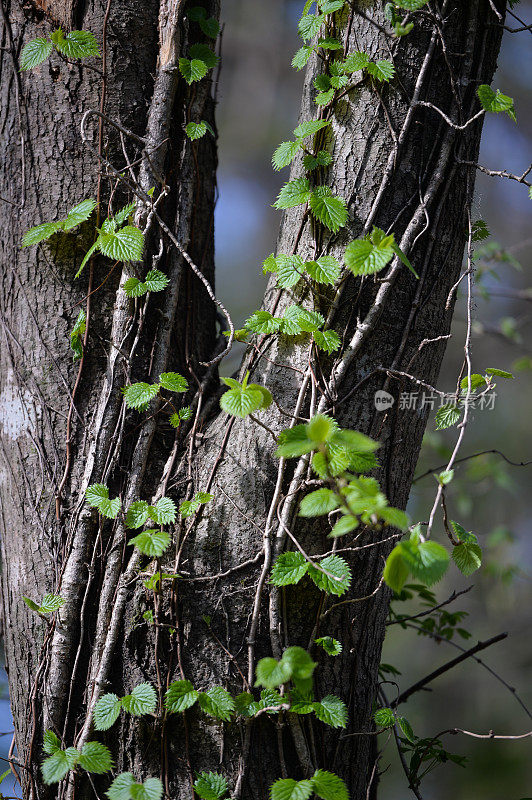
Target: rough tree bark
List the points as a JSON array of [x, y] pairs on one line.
[[396, 165]]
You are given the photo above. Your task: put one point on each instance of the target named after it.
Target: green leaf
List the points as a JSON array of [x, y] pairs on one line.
[[301, 58], [499, 373], [309, 25], [34, 53], [331, 646], [331, 6], [195, 130], [40, 233], [384, 717], [289, 568], [338, 577], [289, 270], [106, 711], [467, 557], [31, 603], [331, 211], [262, 322], [411, 5], [327, 340], [496, 101], [396, 570], [97, 496], [51, 603], [310, 128], [163, 512], [142, 700], [120, 789], [355, 62], [320, 428], [285, 154], [217, 703], [76, 335], [329, 786], [156, 281], [180, 696], [173, 382], [332, 711], [406, 728], [294, 442], [395, 517], [293, 193], [321, 159], [55, 767], [242, 401], [446, 416], [77, 44], [288, 789], [127, 244], [330, 43], [344, 525], [152, 543], [271, 673], [324, 98], [210, 786], [138, 395], [318, 503], [137, 514], [381, 70], [210, 27], [95, 757], [427, 561], [86, 258], [205, 54], [80, 213], [325, 269], [193, 70], [299, 662], [51, 743], [363, 257], [474, 381]]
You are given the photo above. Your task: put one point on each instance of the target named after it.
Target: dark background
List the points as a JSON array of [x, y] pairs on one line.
[[258, 95]]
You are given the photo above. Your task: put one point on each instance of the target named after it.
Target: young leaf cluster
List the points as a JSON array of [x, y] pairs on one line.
[[243, 399], [93, 757], [76, 44], [142, 700], [325, 207], [323, 784], [295, 321], [139, 395], [116, 240]]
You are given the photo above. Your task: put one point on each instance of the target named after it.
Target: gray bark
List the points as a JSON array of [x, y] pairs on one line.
[[63, 669]]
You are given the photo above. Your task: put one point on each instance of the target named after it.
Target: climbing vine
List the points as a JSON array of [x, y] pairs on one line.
[[338, 465]]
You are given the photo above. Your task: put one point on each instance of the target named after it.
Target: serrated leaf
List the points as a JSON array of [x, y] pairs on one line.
[[142, 700], [324, 98], [288, 789], [395, 517], [496, 101], [152, 543], [210, 27], [210, 786], [293, 193], [363, 257], [317, 503], [285, 154], [325, 269], [289, 568], [193, 70], [332, 711], [51, 603], [180, 696], [446, 416], [126, 244], [241, 401], [301, 57], [338, 577], [427, 561], [137, 514], [330, 43], [138, 395], [467, 557], [156, 281], [309, 25], [201, 51], [97, 496], [299, 662], [262, 322], [80, 213], [310, 128], [96, 758], [106, 711], [55, 767], [499, 373], [327, 340], [120, 789], [217, 703], [381, 70], [321, 159], [294, 442], [474, 381], [173, 382], [384, 717], [78, 44], [355, 62], [34, 53], [195, 130], [331, 211], [329, 786], [344, 525], [331, 646], [51, 743], [406, 728], [396, 570], [40, 233], [163, 512]]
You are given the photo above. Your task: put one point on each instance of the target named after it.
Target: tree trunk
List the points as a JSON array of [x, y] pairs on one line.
[[395, 163]]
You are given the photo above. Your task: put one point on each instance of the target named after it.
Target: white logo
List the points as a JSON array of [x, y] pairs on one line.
[[383, 400]]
